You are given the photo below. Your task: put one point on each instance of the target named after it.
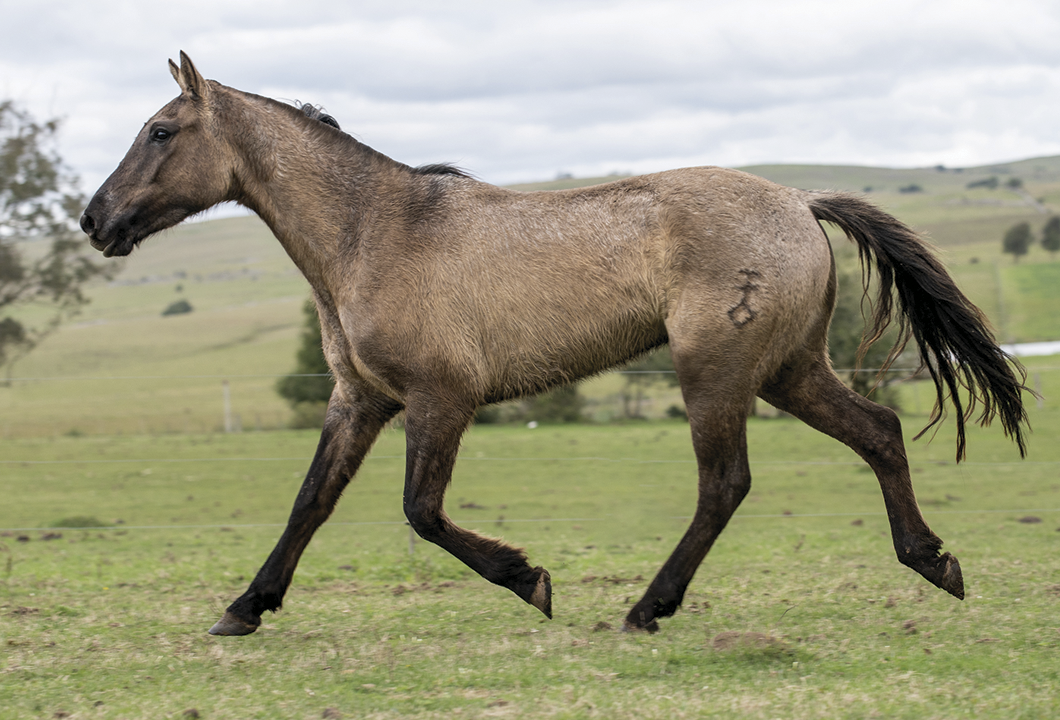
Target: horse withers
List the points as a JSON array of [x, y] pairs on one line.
[[438, 293]]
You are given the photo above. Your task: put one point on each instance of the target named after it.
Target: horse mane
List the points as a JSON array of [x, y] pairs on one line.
[[316, 112], [441, 169]]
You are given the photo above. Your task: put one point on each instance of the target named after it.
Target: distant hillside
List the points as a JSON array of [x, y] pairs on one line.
[[167, 371], [856, 178], [954, 206]]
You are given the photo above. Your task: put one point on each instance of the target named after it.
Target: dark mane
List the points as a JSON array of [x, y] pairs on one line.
[[440, 169], [315, 112]]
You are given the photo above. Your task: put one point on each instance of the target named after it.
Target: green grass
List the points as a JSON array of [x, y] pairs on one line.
[[110, 622]]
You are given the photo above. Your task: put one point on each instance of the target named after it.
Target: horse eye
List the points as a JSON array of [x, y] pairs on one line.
[[160, 135]]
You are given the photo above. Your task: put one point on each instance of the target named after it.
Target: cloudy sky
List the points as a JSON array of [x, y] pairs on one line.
[[521, 91]]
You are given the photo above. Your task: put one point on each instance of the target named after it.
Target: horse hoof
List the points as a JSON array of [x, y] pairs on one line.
[[541, 597], [952, 579], [229, 624], [651, 628]]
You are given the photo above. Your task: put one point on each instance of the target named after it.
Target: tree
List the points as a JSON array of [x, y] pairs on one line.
[[177, 307], [39, 204], [1017, 240], [564, 404], [308, 388], [655, 367], [1051, 235], [845, 334], [989, 183]]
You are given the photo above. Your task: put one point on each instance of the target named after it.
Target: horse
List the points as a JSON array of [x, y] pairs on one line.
[[438, 293]]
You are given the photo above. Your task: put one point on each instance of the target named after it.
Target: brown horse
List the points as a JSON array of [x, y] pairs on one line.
[[438, 293]]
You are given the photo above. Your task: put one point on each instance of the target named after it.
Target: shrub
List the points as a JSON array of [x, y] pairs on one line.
[[989, 183], [79, 521], [178, 307]]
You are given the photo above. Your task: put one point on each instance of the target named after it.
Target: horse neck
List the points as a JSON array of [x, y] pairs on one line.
[[307, 183]]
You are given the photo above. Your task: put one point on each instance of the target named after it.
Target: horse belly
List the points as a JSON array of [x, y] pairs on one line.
[[564, 337]]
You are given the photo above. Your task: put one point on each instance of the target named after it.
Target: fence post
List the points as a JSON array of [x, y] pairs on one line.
[[228, 405]]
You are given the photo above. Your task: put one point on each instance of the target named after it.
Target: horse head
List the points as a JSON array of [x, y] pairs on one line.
[[178, 166]]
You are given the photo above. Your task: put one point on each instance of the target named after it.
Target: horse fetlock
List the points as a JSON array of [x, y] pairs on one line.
[[244, 615]]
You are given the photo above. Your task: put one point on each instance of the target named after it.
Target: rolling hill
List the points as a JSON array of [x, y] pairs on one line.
[[123, 367]]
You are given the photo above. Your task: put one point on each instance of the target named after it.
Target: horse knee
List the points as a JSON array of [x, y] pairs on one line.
[[741, 485], [731, 490]]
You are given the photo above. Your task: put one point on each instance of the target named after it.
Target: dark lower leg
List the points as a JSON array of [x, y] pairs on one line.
[[347, 437], [724, 480], [493, 559], [433, 444], [873, 432]]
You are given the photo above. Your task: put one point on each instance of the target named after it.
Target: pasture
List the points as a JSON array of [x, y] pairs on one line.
[[800, 610]]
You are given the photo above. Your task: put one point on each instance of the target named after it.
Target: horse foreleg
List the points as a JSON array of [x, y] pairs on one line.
[[433, 437], [350, 428], [818, 398]]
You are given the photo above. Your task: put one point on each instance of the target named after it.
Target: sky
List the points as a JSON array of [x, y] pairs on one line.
[[523, 91]]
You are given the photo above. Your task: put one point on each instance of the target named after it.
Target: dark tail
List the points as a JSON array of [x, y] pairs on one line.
[[955, 342]]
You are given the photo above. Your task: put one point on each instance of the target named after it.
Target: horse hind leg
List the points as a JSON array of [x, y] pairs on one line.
[[817, 397]]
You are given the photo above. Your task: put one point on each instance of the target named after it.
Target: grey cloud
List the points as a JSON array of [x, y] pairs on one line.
[[520, 91]]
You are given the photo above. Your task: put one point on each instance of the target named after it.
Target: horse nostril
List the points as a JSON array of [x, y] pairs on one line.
[[88, 225]]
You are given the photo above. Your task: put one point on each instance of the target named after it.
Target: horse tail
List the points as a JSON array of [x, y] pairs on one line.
[[954, 339]]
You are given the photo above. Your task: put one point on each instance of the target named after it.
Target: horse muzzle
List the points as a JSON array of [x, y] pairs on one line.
[[109, 246], [112, 238]]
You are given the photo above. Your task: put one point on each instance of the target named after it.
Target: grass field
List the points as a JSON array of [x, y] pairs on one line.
[[800, 611]]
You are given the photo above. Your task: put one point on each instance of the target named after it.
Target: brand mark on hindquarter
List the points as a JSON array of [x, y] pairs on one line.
[[742, 313]]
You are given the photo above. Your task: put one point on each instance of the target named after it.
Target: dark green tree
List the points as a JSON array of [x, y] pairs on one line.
[[657, 367], [845, 334], [44, 263], [1051, 235], [1017, 240], [564, 405], [308, 388]]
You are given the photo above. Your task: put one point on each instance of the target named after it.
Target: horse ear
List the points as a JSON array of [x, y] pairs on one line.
[[189, 79]]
